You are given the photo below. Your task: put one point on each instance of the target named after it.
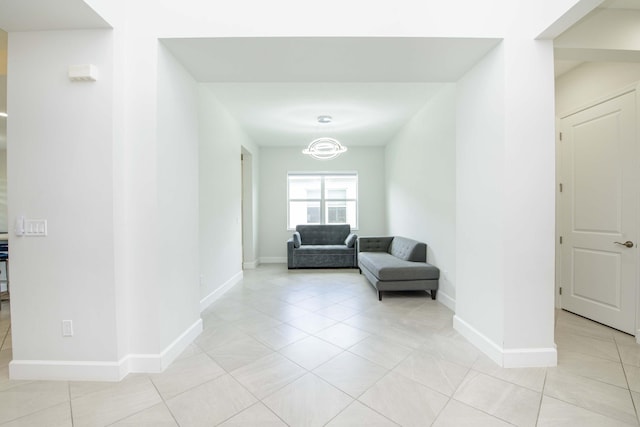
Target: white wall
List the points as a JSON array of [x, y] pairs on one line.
[[221, 142], [60, 168], [592, 81], [274, 165], [178, 199], [3, 191], [250, 210], [421, 185], [506, 205], [479, 196], [529, 214]]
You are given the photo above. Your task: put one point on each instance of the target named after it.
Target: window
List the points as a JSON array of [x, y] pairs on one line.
[[328, 198]]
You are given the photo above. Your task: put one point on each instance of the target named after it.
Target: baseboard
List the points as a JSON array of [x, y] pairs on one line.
[[154, 363], [506, 358], [273, 260], [251, 265], [484, 344], [60, 370], [213, 296], [55, 370], [530, 357], [446, 300]]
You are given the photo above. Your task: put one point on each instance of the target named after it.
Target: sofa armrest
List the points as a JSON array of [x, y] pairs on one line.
[[351, 240], [374, 244], [297, 240], [290, 252]]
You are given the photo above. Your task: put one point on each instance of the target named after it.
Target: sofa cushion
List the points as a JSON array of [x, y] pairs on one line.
[[350, 240], [328, 234], [408, 249], [296, 239], [387, 267], [323, 250]]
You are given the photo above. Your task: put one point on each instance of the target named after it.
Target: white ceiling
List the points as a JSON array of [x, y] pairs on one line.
[[328, 59], [285, 114], [277, 87], [621, 4], [564, 62], [38, 15]]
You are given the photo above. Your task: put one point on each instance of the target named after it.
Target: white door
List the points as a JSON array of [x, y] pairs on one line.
[[599, 210]]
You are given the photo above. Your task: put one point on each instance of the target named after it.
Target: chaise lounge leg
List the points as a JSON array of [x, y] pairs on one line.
[[433, 294], [360, 270], [379, 296]]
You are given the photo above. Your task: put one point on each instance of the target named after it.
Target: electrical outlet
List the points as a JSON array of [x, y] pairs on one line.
[[67, 328]]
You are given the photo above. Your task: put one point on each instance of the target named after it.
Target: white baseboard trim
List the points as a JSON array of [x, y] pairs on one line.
[[484, 344], [506, 358], [62, 370], [155, 363], [250, 265], [530, 357], [213, 296], [273, 260], [446, 300]]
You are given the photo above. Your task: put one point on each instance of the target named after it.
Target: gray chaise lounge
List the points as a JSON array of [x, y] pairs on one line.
[[322, 246], [397, 264]]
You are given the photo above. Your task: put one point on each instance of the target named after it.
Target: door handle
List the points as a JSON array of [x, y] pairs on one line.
[[628, 243]]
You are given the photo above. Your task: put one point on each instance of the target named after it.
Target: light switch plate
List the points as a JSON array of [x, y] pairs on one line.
[[67, 328], [35, 227]]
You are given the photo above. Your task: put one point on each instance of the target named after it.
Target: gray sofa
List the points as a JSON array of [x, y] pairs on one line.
[[397, 264], [322, 246]]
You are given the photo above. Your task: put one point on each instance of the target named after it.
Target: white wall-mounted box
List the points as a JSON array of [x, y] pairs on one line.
[[83, 73]]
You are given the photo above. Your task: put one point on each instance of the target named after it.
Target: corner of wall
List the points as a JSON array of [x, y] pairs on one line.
[[506, 358]]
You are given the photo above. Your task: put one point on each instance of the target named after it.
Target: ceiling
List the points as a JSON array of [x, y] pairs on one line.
[[564, 65], [277, 87], [38, 15], [285, 114]]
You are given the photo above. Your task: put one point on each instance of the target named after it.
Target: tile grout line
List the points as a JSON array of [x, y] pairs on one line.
[[479, 409], [626, 378], [4, 338], [544, 384], [164, 402], [70, 403]]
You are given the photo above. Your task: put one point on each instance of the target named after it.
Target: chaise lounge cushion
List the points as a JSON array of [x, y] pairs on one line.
[[408, 249], [397, 264], [386, 267]]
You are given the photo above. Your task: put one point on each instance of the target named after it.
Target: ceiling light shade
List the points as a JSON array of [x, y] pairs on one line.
[[324, 148]]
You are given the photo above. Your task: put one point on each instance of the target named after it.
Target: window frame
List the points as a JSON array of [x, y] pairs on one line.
[[323, 200]]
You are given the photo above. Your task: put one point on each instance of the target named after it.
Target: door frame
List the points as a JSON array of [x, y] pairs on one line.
[[634, 87]]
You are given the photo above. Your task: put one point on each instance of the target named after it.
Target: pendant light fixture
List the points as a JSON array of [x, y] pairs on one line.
[[324, 148]]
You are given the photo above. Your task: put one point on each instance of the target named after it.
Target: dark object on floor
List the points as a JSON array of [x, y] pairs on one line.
[[322, 246], [397, 264]]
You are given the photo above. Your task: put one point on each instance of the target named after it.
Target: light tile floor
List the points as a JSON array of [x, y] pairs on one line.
[[315, 348]]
